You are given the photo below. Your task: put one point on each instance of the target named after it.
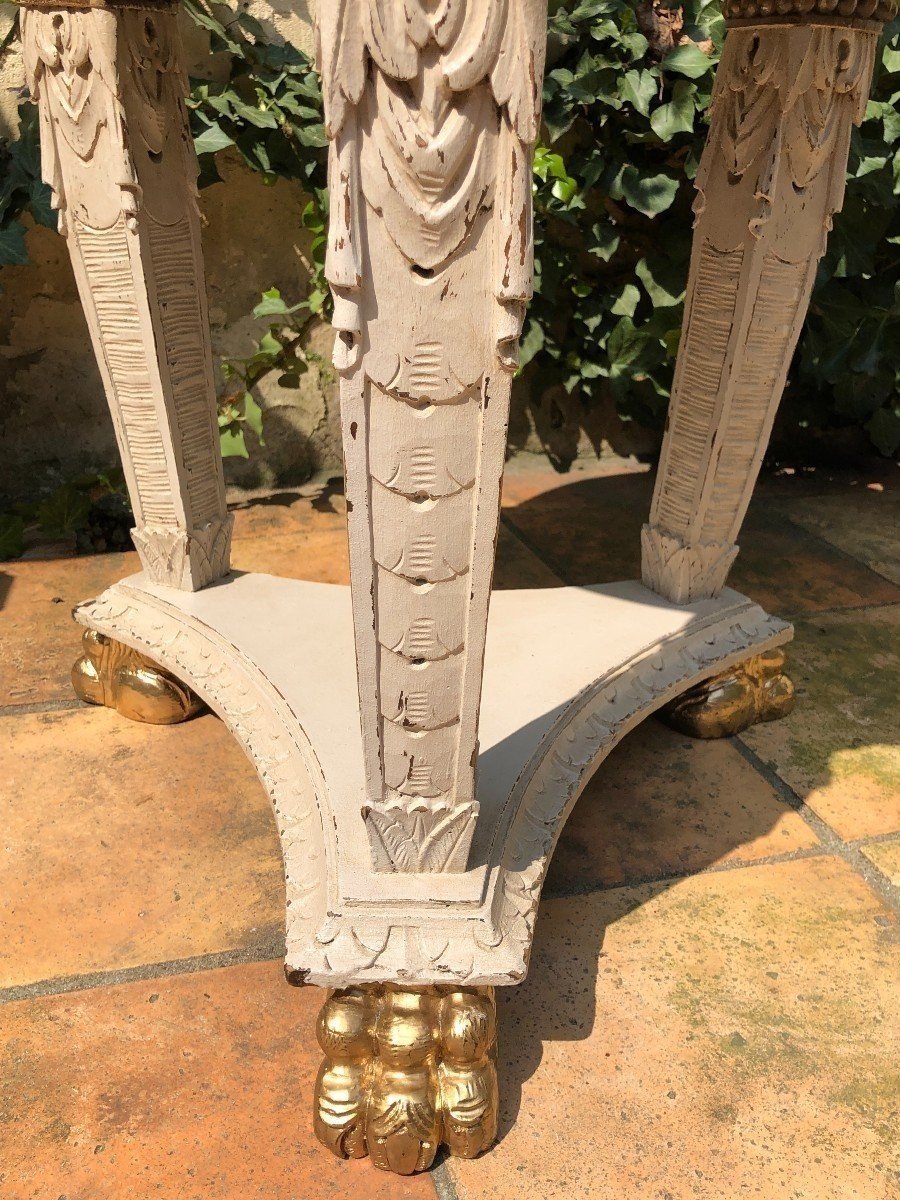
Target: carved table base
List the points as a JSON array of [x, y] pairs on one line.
[[747, 693], [405, 1071], [568, 673], [118, 677]]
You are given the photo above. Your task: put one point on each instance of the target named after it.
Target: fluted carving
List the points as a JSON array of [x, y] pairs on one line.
[[788, 90], [117, 154], [432, 110]]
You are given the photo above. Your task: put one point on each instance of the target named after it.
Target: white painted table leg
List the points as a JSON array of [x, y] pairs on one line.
[[118, 155], [433, 112], [789, 87]]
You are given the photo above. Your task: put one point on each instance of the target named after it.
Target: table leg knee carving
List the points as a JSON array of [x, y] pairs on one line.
[[112, 674]]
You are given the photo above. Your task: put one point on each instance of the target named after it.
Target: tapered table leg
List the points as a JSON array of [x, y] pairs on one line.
[[792, 81], [433, 112], [118, 155]]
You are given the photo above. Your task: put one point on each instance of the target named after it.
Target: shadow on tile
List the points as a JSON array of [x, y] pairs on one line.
[[588, 531]]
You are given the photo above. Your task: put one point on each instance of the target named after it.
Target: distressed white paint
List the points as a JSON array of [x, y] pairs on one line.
[[118, 155], [568, 673], [433, 112], [771, 178]]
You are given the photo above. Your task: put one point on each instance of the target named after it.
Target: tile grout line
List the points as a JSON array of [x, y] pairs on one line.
[[443, 1181], [42, 706], [266, 951], [807, 614], [274, 949], [674, 876], [524, 540], [823, 541], [850, 852]]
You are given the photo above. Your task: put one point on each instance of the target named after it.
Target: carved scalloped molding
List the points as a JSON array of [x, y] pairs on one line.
[[332, 943], [261, 722]]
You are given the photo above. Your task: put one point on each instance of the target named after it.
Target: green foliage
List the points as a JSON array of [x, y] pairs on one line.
[[91, 512], [613, 195], [623, 133], [270, 109], [21, 187], [281, 350]]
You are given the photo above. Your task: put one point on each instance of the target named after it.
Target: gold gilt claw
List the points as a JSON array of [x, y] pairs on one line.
[[406, 1070], [118, 677], [749, 692]]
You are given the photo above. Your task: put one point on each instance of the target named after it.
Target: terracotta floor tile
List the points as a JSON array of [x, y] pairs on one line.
[[317, 553], [788, 571], [733, 1034], [39, 641], [125, 844], [885, 857], [531, 475], [663, 804], [588, 531], [839, 748], [291, 510], [320, 554], [863, 523], [517, 567], [195, 1087], [586, 528]]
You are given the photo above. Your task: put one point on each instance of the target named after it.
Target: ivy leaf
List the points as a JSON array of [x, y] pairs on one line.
[[231, 442], [603, 241], [40, 205], [687, 60], [623, 346], [212, 139], [65, 511], [530, 344], [664, 284], [649, 194], [678, 115], [12, 245], [626, 302], [884, 430], [253, 416], [272, 305], [638, 88], [12, 541]]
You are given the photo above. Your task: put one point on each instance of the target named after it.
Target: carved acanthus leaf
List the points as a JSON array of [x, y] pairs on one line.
[[415, 837], [684, 571]]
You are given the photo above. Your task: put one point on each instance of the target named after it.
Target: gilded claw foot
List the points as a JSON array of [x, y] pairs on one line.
[[751, 691], [113, 674], [404, 1071]]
